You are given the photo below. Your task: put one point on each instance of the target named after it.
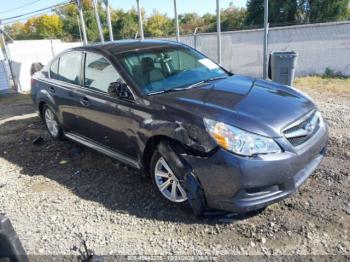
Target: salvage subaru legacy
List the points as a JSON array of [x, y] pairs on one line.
[[205, 136]]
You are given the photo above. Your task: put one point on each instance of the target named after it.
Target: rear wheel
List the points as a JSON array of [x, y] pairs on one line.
[[51, 123], [164, 179]]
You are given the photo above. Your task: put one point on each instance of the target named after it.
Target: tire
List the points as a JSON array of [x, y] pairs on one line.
[[163, 176], [51, 123]]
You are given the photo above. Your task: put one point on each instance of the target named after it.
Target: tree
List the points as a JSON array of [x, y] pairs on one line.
[[255, 12], [324, 10], [124, 24], [232, 18], [280, 12], [65, 24], [15, 30], [70, 16], [43, 27], [209, 23], [189, 22], [158, 25], [296, 11]]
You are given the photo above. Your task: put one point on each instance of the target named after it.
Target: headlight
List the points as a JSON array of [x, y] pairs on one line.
[[238, 141]]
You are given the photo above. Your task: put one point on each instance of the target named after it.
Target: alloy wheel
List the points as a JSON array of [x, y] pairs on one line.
[[51, 122], [167, 182]]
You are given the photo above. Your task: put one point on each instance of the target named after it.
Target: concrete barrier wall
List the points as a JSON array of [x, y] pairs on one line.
[[319, 46]]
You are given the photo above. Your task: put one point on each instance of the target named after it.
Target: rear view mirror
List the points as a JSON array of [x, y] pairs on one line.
[[120, 90], [35, 67]]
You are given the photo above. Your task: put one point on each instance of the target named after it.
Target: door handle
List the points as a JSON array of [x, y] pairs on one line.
[[84, 101], [51, 90]]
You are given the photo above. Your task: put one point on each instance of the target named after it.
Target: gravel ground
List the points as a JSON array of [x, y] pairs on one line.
[[58, 195]]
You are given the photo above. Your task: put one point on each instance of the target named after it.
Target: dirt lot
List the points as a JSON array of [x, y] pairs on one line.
[[58, 194]]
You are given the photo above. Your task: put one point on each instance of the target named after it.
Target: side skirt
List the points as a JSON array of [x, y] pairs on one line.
[[106, 151]]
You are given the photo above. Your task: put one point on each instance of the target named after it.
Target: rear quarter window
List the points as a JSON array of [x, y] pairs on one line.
[[54, 69]]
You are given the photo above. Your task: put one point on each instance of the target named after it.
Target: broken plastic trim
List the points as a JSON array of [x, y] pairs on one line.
[[185, 175]]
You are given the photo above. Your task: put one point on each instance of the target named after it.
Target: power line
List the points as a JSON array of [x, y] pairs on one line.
[[19, 7], [37, 14], [23, 18], [36, 11]]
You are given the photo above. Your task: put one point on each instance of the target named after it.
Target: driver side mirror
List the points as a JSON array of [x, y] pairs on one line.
[[120, 90]]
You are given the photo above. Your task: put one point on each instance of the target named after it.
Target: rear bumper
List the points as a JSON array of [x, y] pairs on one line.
[[242, 184]]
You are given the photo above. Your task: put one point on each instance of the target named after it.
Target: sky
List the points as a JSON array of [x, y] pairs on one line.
[[165, 6]]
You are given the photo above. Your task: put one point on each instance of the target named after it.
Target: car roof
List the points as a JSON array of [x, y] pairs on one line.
[[122, 46]]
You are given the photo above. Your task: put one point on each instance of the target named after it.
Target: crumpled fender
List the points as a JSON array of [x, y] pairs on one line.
[[187, 134], [183, 171]]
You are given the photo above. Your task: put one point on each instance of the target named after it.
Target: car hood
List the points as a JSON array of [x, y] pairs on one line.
[[258, 106]]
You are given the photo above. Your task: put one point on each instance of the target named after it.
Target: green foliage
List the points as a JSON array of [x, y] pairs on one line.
[[70, 17], [16, 30], [64, 23], [159, 25], [330, 73], [233, 18], [325, 10], [189, 22], [45, 26], [280, 12], [296, 11], [124, 24], [255, 12]]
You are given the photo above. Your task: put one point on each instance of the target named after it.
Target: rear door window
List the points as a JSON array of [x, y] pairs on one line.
[[69, 67], [99, 73]]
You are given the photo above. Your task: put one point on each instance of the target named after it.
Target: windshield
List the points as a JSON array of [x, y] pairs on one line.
[[169, 68]]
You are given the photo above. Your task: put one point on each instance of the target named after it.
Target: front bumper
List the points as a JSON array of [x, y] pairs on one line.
[[242, 184]]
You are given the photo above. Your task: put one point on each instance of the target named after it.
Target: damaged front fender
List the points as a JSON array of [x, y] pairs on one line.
[[189, 135], [184, 173]]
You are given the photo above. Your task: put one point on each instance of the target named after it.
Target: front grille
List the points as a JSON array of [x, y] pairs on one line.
[[297, 141], [303, 129]]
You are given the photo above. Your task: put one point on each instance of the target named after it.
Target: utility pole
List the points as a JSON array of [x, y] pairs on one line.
[[195, 37], [140, 19], [177, 22], [82, 22], [218, 29], [266, 37], [109, 22], [98, 21], [81, 38]]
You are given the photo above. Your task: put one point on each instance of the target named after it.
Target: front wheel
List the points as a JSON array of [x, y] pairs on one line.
[[165, 181], [51, 123]]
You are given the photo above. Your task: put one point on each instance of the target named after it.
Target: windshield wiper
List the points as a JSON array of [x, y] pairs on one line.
[[204, 82], [176, 89], [165, 91], [216, 78], [199, 83]]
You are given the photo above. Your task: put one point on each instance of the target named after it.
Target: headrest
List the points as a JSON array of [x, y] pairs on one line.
[[147, 64]]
